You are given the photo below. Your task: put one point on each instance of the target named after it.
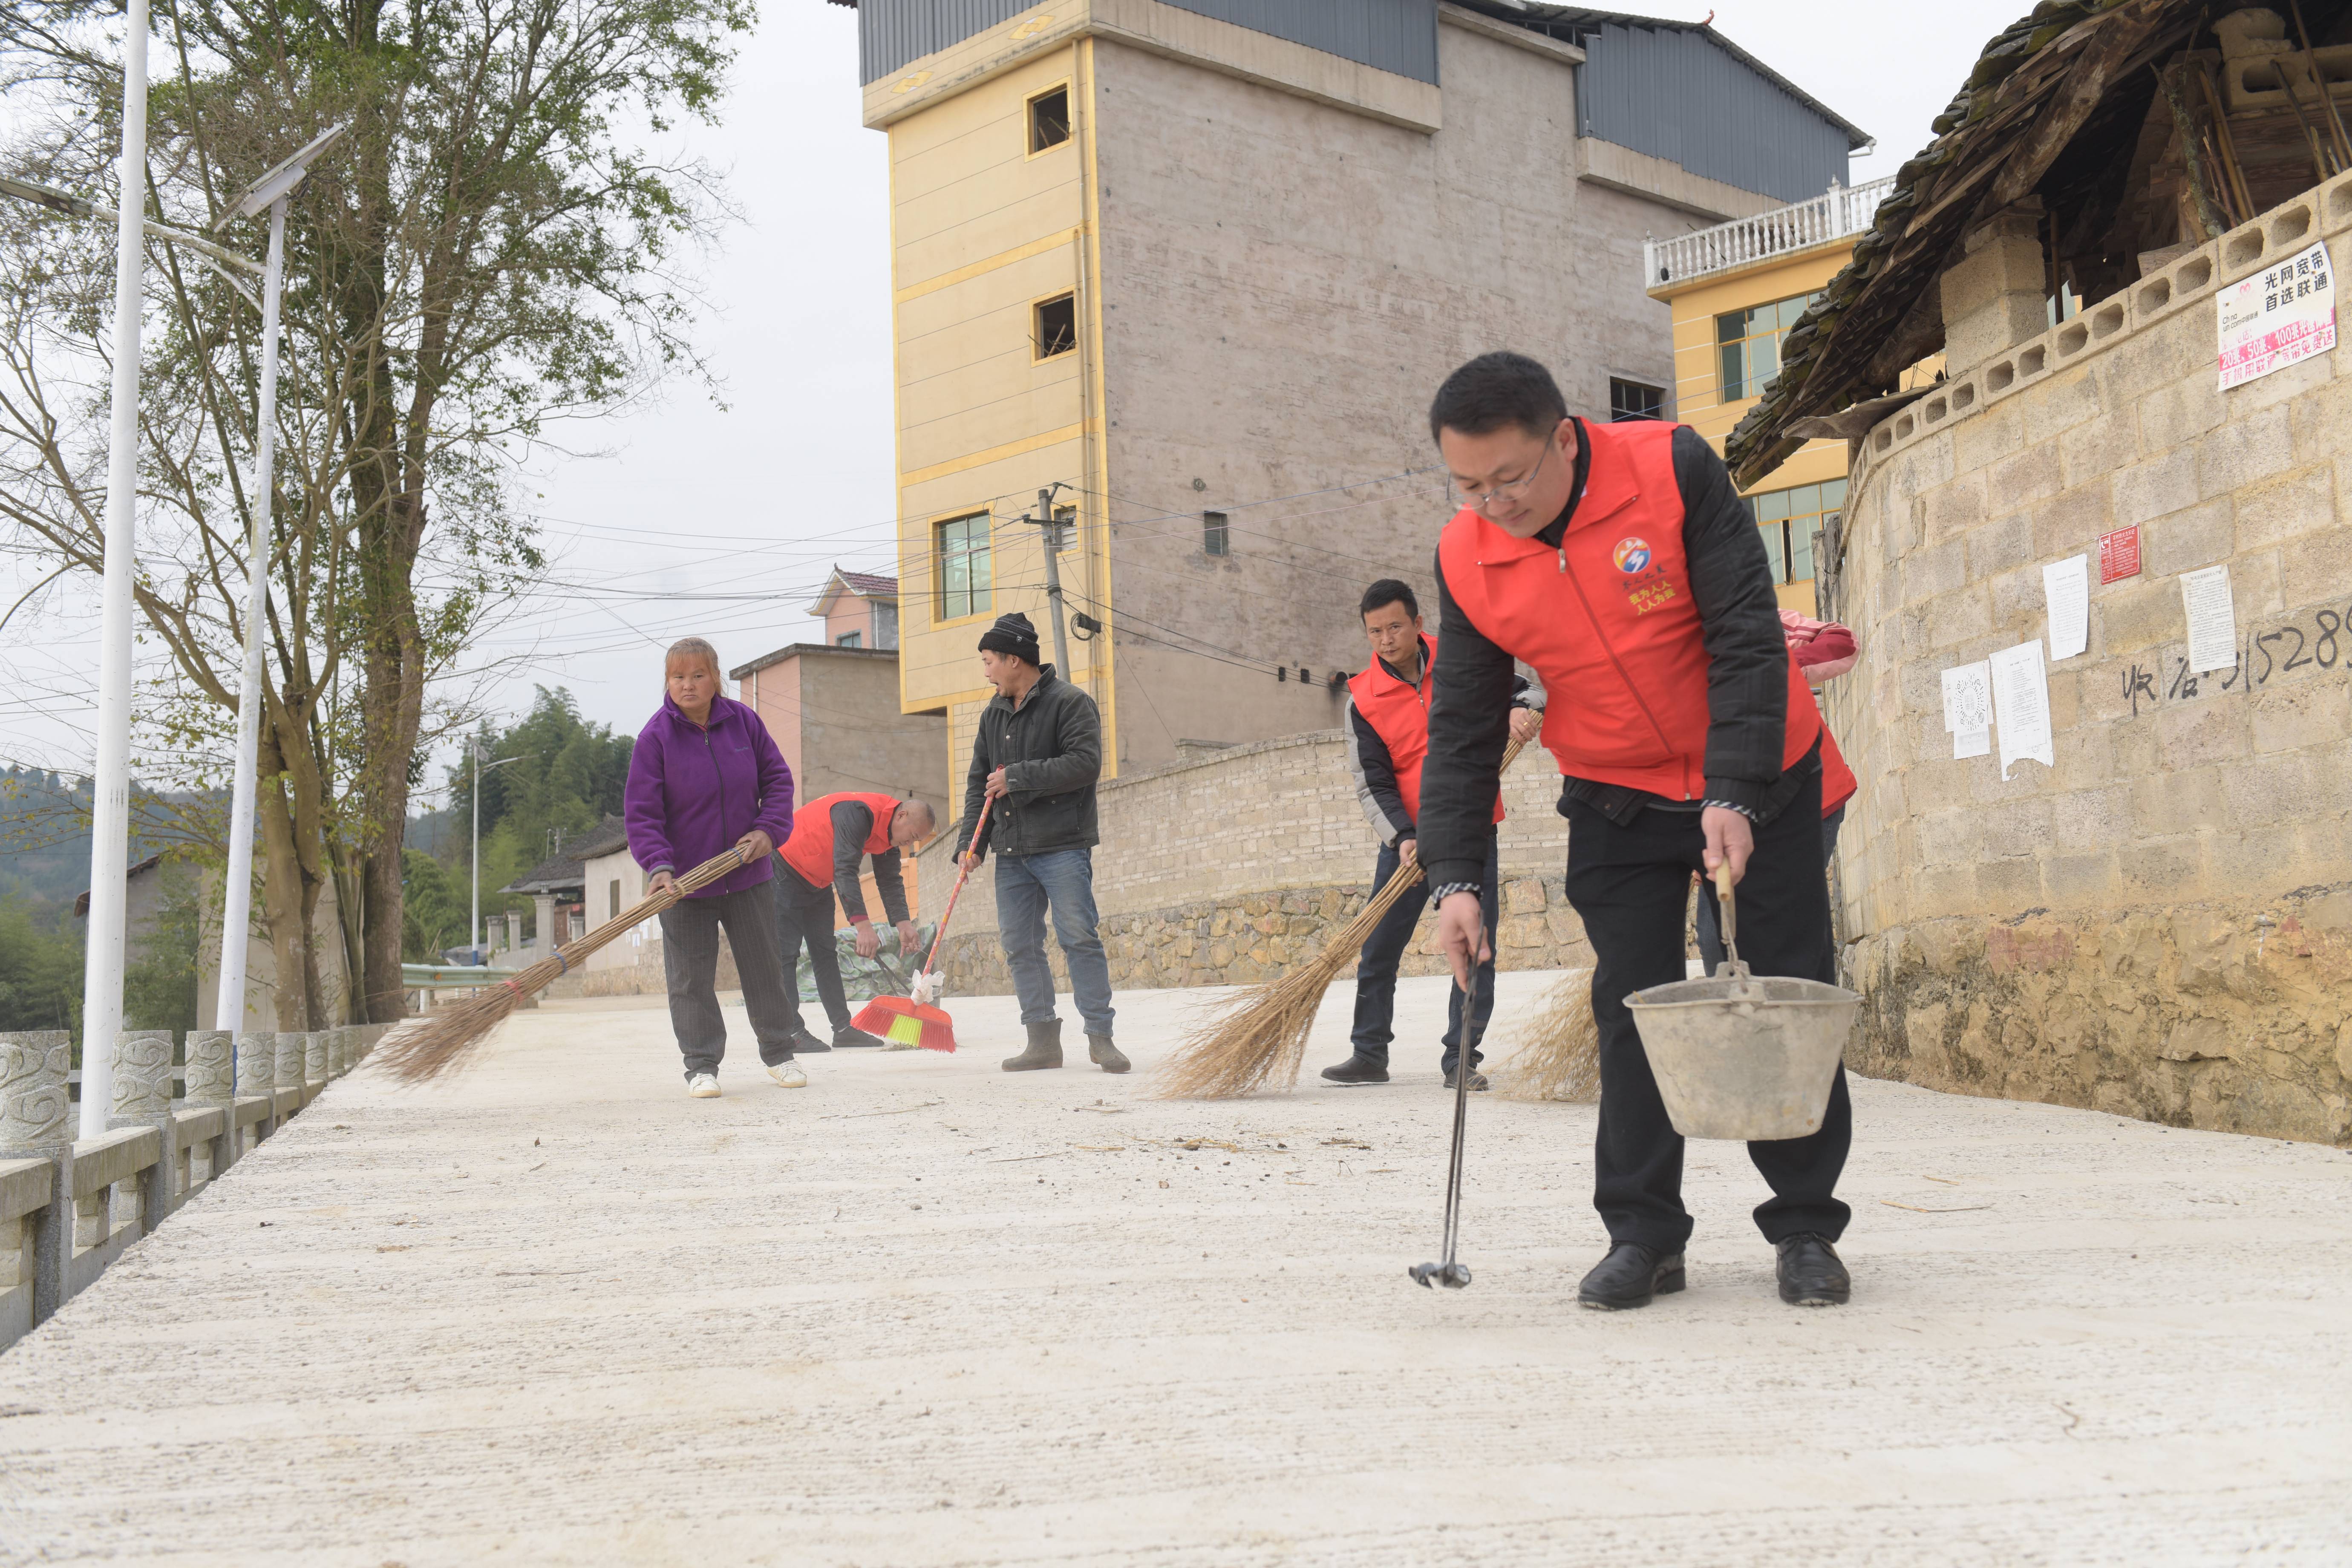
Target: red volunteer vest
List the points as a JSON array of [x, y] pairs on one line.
[[1608, 623], [809, 850], [1399, 714]]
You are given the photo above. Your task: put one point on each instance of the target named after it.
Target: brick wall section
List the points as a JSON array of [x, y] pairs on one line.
[[1231, 870], [2160, 925]]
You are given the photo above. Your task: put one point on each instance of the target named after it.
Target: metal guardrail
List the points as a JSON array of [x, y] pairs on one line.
[[1835, 214], [451, 976]]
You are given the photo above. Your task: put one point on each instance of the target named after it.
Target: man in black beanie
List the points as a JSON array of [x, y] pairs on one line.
[[1036, 756]]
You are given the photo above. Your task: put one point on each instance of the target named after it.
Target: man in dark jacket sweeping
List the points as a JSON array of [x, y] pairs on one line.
[[1620, 562], [1036, 757]]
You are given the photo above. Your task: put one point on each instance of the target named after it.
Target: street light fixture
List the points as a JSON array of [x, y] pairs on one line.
[[270, 191]]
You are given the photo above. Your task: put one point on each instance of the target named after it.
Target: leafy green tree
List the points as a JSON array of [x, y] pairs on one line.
[[40, 969], [568, 777], [433, 909], [159, 991], [487, 254]]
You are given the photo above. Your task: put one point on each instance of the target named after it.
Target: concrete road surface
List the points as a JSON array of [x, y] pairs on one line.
[[926, 1313]]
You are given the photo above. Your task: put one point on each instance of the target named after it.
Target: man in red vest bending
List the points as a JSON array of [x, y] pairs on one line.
[[1388, 738], [1619, 561], [831, 836]]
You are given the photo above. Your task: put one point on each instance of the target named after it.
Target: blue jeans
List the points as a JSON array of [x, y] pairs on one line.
[[1376, 970], [1025, 885]]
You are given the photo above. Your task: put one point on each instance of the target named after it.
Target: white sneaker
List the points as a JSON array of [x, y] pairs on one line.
[[703, 1086], [788, 1073]]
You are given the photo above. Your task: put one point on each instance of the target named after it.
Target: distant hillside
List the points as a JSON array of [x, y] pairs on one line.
[[44, 837]]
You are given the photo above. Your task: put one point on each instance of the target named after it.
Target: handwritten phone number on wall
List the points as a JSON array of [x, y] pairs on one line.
[[2312, 639]]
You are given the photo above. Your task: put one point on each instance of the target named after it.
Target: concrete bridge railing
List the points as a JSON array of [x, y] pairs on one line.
[[69, 1208]]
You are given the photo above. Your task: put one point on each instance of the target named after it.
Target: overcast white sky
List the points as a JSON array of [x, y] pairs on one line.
[[795, 474]]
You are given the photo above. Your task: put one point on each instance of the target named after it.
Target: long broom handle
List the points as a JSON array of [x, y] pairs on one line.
[[964, 860], [645, 909]]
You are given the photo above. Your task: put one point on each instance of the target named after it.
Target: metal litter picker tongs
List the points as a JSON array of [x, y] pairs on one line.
[[1451, 1274]]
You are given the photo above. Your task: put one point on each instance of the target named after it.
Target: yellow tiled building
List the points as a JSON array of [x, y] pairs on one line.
[[1735, 290]]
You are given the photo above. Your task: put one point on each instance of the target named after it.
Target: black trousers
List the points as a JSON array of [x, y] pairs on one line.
[[1376, 970], [1631, 885], [690, 964], [804, 914], [1710, 923]]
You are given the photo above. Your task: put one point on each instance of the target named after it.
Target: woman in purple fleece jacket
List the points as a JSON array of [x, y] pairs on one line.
[[706, 775]]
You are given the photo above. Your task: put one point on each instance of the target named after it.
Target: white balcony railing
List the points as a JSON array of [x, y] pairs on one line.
[[1834, 214]]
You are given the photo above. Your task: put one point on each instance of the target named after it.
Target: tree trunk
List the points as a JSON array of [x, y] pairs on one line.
[[281, 889]]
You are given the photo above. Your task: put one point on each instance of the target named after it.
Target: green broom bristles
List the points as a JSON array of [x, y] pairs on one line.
[[429, 1047], [1261, 1038]]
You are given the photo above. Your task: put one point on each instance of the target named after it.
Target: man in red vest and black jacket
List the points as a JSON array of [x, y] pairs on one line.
[[832, 836], [1619, 561], [1388, 739]]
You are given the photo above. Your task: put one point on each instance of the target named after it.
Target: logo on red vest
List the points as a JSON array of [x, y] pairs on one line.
[[1647, 587], [1632, 554]]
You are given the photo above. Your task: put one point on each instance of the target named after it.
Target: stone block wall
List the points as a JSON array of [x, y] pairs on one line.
[[2157, 924], [1231, 869]]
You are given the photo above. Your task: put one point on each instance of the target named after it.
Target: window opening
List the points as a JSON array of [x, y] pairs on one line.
[[1215, 538], [612, 895], [1062, 533], [1049, 119], [1635, 400], [1056, 326], [1790, 520], [850, 639], [963, 562], [1748, 342]]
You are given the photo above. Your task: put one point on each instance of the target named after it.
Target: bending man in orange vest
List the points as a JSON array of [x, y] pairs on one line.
[[1388, 738], [831, 836], [1620, 562]]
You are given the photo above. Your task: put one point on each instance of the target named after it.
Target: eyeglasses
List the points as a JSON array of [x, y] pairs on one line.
[[1480, 500]]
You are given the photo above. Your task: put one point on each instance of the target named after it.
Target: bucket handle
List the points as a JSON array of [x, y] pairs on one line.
[[1731, 964]]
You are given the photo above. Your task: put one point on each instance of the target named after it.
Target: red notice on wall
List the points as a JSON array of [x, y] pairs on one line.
[[2119, 554]]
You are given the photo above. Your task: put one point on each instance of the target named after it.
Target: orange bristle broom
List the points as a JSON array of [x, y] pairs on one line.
[[912, 1020]]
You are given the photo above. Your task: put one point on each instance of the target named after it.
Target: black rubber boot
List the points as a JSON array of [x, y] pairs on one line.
[[1629, 1277], [1044, 1048], [1357, 1069], [1105, 1056], [1810, 1274], [848, 1037]]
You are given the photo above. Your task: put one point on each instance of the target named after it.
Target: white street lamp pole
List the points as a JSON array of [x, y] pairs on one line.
[[474, 932], [109, 832], [236, 914]]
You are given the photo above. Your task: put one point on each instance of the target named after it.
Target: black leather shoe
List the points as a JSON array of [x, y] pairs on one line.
[[1810, 1274], [1357, 1069], [1629, 1277], [805, 1044], [849, 1039]]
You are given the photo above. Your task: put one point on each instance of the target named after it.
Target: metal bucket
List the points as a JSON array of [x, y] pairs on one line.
[[1741, 1056]]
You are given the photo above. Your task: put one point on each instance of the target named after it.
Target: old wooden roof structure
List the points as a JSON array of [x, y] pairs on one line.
[[2076, 105]]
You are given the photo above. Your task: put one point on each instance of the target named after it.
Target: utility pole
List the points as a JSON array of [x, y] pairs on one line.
[[1053, 577], [110, 829]]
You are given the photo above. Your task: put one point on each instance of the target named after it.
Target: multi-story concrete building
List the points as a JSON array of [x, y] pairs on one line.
[[1735, 290], [1196, 267]]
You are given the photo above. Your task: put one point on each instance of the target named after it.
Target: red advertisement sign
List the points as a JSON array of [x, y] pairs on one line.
[[2119, 554]]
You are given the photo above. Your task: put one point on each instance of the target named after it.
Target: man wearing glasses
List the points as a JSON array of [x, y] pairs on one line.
[[1619, 561]]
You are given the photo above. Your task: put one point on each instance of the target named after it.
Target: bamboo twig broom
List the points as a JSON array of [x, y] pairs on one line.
[[1557, 1055], [440, 1043], [1261, 1038]]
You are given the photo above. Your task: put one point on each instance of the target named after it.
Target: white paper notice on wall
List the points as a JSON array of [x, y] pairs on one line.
[[2280, 314], [2020, 703], [1968, 697], [1971, 744], [2212, 623], [2066, 585]]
